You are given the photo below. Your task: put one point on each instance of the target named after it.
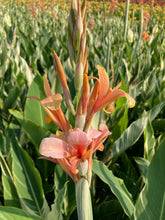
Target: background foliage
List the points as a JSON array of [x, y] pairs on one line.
[[128, 177]]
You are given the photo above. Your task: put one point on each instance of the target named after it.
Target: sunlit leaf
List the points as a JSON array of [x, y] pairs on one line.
[[28, 182], [12, 213], [116, 185]]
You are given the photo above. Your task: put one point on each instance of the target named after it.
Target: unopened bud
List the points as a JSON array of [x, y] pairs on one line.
[[78, 81], [78, 30]]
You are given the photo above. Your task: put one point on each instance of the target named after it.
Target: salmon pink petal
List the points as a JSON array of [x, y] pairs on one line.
[[104, 82], [97, 143], [47, 86], [79, 140], [54, 148], [93, 133], [111, 97]]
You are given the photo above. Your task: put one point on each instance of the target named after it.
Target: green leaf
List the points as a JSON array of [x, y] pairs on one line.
[[116, 185], [9, 190], [28, 182], [11, 213], [123, 121], [151, 202], [129, 137], [155, 111], [143, 165], [149, 142], [60, 179], [26, 70], [3, 143], [11, 98], [34, 132], [33, 108]]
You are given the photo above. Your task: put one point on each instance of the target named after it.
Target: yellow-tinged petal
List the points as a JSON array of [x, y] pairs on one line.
[[48, 119], [110, 109], [52, 102]]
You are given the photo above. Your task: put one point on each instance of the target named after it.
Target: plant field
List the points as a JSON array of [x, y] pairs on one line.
[[127, 39]]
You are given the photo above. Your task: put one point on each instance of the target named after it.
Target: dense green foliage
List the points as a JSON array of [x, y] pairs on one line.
[[132, 159]]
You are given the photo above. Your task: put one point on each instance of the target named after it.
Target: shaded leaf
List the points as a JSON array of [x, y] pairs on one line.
[[9, 189], [11, 213], [34, 132]]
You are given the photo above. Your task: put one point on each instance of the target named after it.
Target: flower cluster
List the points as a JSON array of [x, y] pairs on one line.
[[73, 148]]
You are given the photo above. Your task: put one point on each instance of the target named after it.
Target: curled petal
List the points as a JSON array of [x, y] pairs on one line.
[[111, 97], [110, 109], [54, 148]]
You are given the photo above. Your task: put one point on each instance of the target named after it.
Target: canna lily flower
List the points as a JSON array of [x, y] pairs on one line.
[[145, 36], [74, 149], [51, 105], [103, 96]]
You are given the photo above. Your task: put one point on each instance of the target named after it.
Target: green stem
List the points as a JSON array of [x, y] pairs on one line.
[[83, 200], [140, 34]]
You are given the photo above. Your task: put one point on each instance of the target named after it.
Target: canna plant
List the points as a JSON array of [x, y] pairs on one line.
[[72, 146], [64, 128]]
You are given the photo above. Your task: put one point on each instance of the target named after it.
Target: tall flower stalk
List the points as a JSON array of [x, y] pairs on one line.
[[72, 146]]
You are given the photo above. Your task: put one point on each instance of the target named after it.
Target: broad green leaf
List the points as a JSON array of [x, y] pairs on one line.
[[151, 202], [129, 137], [155, 111], [28, 182], [149, 142], [60, 177], [26, 70], [33, 109], [11, 213], [116, 185], [9, 190], [34, 132]]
